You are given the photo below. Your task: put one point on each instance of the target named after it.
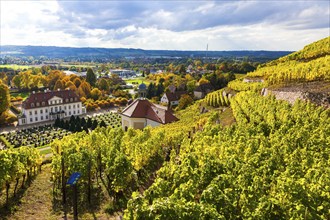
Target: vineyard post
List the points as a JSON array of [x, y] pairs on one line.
[[63, 181], [73, 182], [75, 202]]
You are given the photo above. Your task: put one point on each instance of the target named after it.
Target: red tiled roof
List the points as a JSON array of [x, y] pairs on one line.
[[43, 97], [142, 108], [175, 96]]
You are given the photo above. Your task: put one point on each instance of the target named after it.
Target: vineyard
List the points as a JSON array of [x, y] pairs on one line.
[[294, 71], [18, 166], [315, 50], [239, 85], [218, 98], [272, 165], [257, 158]]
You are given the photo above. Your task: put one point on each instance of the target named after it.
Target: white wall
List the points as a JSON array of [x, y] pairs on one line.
[[129, 122], [42, 114], [164, 99]]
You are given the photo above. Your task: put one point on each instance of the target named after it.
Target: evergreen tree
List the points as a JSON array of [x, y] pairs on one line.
[[91, 77], [72, 119], [160, 89], [103, 124], [85, 128], [94, 125], [66, 125], [83, 122], [72, 127], [150, 91], [57, 122], [89, 123]]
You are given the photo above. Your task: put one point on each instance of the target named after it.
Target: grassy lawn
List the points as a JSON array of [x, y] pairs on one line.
[[227, 117], [138, 80], [45, 151], [24, 95]]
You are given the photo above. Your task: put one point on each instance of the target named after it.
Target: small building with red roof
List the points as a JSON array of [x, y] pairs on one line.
[[141, 113]]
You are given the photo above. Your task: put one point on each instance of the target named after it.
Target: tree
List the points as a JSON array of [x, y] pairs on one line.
[[16, 81], [91, 77], [203, 81], [184, 102], [96, 94], [4, 97], [77, 82], [103, 84], [103, 124], [191, 85], [58, 85], [84, 89]]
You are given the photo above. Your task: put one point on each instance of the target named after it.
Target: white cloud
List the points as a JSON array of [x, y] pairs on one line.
[[182, 25]]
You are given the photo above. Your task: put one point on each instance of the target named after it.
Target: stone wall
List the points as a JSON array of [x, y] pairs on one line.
[[322, 99]]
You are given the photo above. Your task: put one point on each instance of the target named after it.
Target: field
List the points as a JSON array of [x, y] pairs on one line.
[[137, 80], [17, 67]]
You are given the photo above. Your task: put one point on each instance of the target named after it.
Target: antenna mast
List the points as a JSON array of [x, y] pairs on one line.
[[207, 48]]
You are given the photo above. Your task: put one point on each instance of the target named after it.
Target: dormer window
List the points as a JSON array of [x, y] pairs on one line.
[[75, 98], [66, 100], [38, 104], [71, 99], [43, 103], [32, 105]]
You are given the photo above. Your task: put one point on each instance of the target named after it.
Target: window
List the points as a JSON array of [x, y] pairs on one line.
[[35, 112], [78, 112], [46, 116], [69, 106], [69, 113], [46, 110], [41, 111], [60, 108], [66, 100], [32, 105], [75, 98], [30, 113], [64, 107], [42, 118], [78, 106], [71, 99], [43, 103], [36, 119], [74, 106], [38, 104], [31, 119], [51, 109], [56, 109], [74, 112]]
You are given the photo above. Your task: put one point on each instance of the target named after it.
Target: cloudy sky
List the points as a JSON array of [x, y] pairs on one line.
[[166, 24]]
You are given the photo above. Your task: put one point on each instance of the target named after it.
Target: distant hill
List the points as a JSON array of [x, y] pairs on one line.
[[99, 53], [312, 63]]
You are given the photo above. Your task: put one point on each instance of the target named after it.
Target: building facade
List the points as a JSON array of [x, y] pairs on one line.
[[49, 105]]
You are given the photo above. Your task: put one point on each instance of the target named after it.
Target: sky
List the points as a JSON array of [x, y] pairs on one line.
[[167, 24]]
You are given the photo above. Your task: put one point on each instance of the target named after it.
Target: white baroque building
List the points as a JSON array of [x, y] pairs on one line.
[[49, 105]]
